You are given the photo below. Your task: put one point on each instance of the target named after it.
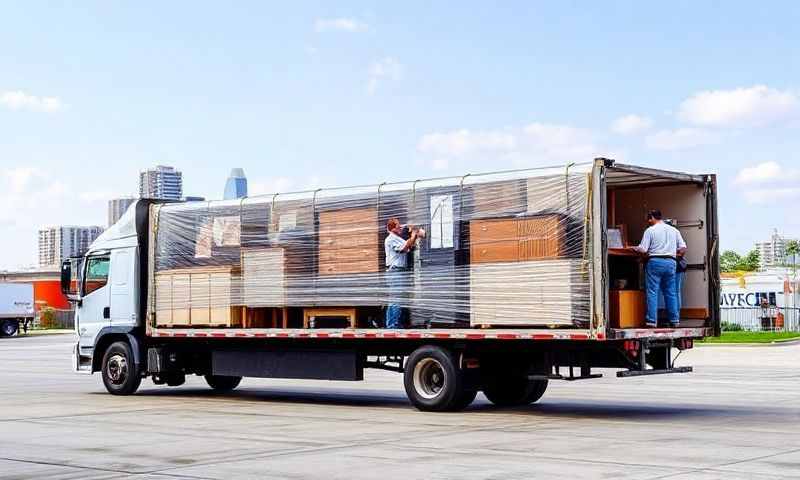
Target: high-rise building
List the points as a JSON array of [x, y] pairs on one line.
[[161, 182], [117, 207], [64, 241], [773, 251], [236, 185]]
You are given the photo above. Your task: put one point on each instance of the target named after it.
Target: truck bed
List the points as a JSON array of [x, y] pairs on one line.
[[434, 334]]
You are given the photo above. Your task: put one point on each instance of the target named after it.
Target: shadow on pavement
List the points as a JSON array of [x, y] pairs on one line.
[[546, 408]]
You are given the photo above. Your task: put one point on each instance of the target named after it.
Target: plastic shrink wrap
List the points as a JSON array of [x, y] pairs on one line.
[[504, 249]]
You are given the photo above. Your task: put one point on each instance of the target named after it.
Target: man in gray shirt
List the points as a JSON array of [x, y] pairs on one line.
[[662, 244], [396, 249]]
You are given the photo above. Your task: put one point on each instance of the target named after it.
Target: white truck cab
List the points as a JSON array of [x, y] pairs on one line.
[[104, 285]]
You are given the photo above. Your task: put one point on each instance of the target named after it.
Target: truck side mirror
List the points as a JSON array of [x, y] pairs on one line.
[[69, 280]]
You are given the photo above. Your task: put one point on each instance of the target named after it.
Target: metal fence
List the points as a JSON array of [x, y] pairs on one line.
[[758, 319], [61, 319]]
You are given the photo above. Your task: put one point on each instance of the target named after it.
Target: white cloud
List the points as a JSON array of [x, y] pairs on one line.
[[767, 182], [532, 144], [631, 124], [19, 100], [351, 25], [465, 142], [387, 68], [771, 195], [741, 107], [679, 139]]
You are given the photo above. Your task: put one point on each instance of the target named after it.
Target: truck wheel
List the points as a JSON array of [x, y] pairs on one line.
[[119, 370], [433, 381], [222, 383], [513, 391], [9, 328]]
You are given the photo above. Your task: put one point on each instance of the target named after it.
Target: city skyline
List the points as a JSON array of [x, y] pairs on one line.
[[399, 96]]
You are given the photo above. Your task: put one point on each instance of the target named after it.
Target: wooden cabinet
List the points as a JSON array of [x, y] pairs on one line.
[[627, 308], [348, 241], [517, 239], [192, 297], [534, 293]]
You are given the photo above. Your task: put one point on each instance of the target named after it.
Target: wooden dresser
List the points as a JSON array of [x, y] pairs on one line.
[[517, 239], [348, 241], [202, 296]]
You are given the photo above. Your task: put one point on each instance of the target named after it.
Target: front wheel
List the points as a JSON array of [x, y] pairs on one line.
[[222, 383], [434, 382], [120, 375]]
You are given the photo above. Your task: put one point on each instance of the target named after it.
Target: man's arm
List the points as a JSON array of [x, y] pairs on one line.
[[681, 244], [410, 242], [644, 246]]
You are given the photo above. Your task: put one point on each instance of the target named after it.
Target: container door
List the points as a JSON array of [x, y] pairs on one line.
[[93, 312], [713, 253]]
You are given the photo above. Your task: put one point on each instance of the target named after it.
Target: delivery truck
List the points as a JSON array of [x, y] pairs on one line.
[[16, 307], [513, 279]]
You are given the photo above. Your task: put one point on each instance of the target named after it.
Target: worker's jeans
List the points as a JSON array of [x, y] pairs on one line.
[[660, 275], [396, 282]]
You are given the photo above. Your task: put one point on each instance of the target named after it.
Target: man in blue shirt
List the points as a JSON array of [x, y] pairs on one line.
[[663, 244], [397, 249]]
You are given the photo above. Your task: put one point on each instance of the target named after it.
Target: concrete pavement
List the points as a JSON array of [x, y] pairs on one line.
[[737, 416]]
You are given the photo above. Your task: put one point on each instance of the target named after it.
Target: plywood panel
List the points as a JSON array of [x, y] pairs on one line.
[[263, 277], [627, 308], [543, 292]]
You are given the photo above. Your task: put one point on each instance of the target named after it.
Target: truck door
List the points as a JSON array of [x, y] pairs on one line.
[[123, 299], [94, 311]]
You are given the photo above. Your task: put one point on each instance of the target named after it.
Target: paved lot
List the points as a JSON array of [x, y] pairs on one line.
[[738, 416]]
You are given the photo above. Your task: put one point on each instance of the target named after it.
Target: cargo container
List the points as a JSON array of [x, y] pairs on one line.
[[513, 279], [16, 307]]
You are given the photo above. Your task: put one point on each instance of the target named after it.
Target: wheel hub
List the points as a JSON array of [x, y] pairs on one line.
[[429, 378], [117, 369]]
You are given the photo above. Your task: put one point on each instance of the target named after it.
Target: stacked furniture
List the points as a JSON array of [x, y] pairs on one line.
[[199, 296], [518, 273], [441, 296]]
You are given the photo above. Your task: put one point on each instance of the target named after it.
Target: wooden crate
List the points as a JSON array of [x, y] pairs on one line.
[[517, 239], [348, 241], [201, 296], [627, 308], [534, 293]]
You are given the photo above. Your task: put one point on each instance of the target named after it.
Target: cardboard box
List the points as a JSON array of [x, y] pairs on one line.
[[627, 308]]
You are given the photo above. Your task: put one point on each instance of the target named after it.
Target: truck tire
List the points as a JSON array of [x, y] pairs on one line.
[[514, 391], [9, 327], [433, 381], [221, 383], [120, 375]]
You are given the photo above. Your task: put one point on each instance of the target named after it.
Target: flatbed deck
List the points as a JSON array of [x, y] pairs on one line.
[[434, 334]]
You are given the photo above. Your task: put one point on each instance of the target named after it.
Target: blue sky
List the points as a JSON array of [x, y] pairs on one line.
[[324, 93]]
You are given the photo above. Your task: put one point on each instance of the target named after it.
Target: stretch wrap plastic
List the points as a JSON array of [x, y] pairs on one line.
[[498, 250]]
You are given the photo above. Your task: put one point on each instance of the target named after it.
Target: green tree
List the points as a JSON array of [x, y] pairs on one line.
[[793, 249], [750, 262], [729, 260]]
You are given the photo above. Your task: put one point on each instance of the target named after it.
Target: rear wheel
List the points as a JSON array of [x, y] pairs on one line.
[[222, 383], [433, 381], [9, 327], [120, 375], [511, 391]]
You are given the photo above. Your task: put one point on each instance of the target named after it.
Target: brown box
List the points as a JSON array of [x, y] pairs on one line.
[[348, 241], [199, 296], [627, 308], [516, 239]]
